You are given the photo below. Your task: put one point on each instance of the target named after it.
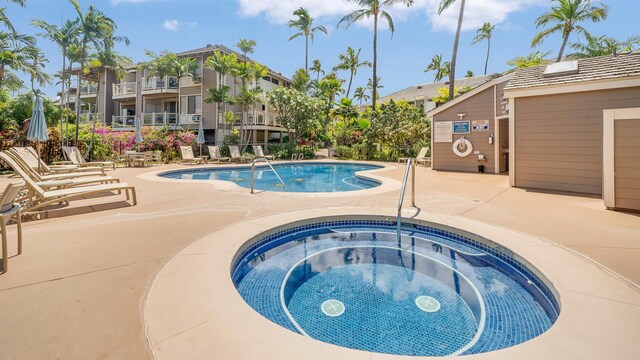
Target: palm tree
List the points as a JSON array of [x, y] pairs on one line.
[[531, 60], [566, 16], [304, 23], [328, 88], [441, 69], [34, 66], [374, 87], [15, 49], [444, 5], [316, 67], [63, 36], [469, 74], [485, 33], [222, 64], [603, 45], [4, 19], [374, 9], [351, 62], [360, 94], [95, 28]]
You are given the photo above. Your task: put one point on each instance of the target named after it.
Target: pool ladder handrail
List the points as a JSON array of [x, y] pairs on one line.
[[410, 165], [299, 157], [253, 167]]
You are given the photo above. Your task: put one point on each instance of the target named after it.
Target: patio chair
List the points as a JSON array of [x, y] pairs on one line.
[[258, 152], [214, 154], [30, 157], [75, 157], [157, 157], [10, 210], [235, 154], [39, 198], [188, 157], [422, 157], [64, 181], [27, 162]]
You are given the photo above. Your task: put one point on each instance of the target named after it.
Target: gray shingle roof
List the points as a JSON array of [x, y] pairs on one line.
[[431, 90], [597, 68]]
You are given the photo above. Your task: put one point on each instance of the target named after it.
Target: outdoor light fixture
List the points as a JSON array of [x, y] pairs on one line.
[[461, 115]]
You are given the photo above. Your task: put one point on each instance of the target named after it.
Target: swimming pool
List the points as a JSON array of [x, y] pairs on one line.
[[350, 283], [298, 177]]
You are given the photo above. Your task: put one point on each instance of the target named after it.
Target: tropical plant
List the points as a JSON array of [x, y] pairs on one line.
[[304, 23], [531, 60], [316, 67], [95, 29], [301, 81], [160, 65], [4, 19], [443, 94], [565, 17], [360, 94], [63, 36], [378, 85], [469, 74], [398, 124], [35, 67], [222, 64], [327, 90], [603, 45], [444, 5], [296, 111], [441, 69], [15, 49], [485, 33], [374, 9], [350, 61]]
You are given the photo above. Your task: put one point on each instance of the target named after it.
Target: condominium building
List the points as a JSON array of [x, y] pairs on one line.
[[174, 101]]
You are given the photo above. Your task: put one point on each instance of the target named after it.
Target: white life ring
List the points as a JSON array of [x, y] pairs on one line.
[[462, 147]]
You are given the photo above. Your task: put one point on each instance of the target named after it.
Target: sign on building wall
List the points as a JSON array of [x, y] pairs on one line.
[[480, 125], [461, 127], [443, 131]]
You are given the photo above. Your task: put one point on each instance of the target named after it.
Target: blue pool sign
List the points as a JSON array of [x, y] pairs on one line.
[[461, 127]]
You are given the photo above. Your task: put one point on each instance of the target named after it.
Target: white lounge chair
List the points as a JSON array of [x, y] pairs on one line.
[[26, 162], [215, 155], [258, 152], [75, 157], [30, 157], [10, 210], [188, 157], [39, 198], [422, 157], [235, 153]]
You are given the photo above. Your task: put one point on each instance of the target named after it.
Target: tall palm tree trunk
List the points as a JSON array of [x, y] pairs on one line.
[[306, 54], [1, 75], [454, 56], [349, 87], [486, 63], [374, 81], [62, 96], [564, 45], [78, 106]]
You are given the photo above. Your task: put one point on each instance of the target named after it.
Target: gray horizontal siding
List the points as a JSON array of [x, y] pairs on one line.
[[627, 164]]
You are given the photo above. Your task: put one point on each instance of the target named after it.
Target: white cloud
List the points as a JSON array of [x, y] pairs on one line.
[[171, 25], [476, 11], [175, 25]]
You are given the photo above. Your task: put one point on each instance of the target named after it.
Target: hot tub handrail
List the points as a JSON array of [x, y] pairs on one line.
[[402, 190], [264, 159]]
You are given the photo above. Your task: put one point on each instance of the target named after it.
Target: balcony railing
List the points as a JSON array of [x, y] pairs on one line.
[[124, 89], [88, 90], [88, 118], [190, 119], [160, 83], [190, 81], [123, 122], [260, 118], [160, 119]]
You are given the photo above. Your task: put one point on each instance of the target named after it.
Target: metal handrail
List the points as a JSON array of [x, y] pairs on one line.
[[264, 159], [413, 192]]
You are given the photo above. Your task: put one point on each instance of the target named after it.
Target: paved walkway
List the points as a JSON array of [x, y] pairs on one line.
[[77, 290]]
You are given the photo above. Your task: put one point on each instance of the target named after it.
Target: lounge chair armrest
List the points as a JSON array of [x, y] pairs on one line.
[[62, 163]]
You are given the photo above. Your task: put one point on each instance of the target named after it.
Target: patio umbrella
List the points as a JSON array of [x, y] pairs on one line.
[[138, 132], [200, 138], [38, 126]]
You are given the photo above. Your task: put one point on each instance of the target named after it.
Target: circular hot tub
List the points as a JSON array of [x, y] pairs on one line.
[[352, 283]]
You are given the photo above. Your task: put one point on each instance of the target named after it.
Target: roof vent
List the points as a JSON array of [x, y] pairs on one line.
[[209, 45], [561, 68], [419, 87]]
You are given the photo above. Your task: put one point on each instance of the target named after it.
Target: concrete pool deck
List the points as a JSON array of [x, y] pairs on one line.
[[78, 290]]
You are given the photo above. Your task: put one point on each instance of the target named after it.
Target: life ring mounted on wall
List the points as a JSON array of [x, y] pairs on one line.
[[462, 147]]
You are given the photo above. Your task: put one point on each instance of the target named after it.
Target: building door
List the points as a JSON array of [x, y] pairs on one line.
[[622, 159], [171, 107]]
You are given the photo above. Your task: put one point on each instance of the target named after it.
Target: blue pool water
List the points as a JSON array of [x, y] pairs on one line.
[[298, 177], [486, 300]]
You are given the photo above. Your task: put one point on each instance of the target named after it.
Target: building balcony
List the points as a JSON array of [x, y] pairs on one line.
[[88, 90], [190, 119], [259, 119], [124, 90], [187, 81], [160, 119], [89, 118], [158, 85], [123, 123]]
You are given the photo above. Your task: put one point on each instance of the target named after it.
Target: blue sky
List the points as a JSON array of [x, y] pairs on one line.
[[178, 25]]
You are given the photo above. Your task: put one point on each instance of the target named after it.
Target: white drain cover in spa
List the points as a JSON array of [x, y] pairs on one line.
[[333, 308], [427, 304]]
